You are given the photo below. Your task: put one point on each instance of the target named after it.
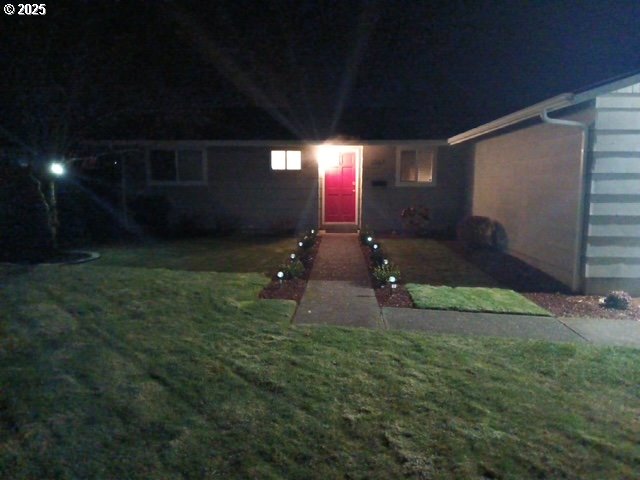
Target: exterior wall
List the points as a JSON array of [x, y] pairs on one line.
[[613, 242], [528, 179], [242, 189], [382, 205]]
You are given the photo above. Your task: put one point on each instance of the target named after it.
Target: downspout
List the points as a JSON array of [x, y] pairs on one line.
[[579, 243]]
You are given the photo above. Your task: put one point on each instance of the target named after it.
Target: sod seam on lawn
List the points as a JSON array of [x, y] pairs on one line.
[[473, 299]]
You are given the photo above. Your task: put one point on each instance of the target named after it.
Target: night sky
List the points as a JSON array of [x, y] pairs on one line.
[[311, 68]]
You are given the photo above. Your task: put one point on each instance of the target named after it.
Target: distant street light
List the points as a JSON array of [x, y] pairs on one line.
[[57, 168]]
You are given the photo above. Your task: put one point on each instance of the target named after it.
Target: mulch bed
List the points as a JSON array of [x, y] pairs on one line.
[[387, 297], [294, 288]]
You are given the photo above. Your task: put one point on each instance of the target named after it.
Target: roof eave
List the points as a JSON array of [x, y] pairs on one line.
[[554, 103]]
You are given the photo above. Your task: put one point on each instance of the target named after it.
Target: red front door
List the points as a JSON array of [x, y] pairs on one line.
[[340, 190]]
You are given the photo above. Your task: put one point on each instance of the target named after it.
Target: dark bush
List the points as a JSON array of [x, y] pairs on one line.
[[25, 228], [152, 212], [482, 232], [619, 300]]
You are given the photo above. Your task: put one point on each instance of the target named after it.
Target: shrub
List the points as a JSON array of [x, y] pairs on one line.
[[292, 269], [25, 227], [382, 273], [415, 220], [477, 232], [152, 212], [377, 256], [617, 299]]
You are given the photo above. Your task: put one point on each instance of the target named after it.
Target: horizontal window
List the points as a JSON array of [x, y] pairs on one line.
[[180, 166], [286, 159], [415, 166]]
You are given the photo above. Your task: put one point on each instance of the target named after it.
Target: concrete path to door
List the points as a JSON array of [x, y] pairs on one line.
[[339, 293]]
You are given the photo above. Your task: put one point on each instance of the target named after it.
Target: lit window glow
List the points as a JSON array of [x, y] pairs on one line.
[[286, 160]]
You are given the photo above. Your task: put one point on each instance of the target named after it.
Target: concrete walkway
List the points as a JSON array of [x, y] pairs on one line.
[[339, 293]]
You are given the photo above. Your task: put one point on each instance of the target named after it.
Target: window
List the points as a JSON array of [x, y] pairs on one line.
[[415, 166], [183, 166], [286, 159]]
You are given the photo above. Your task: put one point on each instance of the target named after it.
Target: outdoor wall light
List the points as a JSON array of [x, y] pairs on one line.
[[57, 168]]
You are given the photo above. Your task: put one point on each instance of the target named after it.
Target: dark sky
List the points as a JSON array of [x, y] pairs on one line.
[[432, 68]]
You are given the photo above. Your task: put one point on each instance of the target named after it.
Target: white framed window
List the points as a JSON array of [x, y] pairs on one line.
[[415, 166], [182, 166], [286, 159]]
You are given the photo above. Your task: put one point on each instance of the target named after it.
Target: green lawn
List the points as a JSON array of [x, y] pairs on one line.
[[473, 299], [233, 254], [430, 262], [136, 373]]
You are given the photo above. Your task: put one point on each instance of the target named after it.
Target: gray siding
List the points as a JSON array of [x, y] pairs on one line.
[[613, 243], [528, 179], [242, 188], [382, 205]]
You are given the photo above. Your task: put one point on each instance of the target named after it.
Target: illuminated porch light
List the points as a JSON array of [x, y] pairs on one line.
[[57, 168], [328, 157]]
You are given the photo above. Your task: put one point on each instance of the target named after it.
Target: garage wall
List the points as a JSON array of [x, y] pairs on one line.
[[613, 244], [528, 180]]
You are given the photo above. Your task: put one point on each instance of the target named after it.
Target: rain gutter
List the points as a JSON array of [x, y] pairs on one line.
[[579, 240]]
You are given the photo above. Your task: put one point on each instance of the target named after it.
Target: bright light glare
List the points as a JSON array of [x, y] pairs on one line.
[[392, 279], [280, 275], [57, 168], [293, 256], [369, 239], [328, 157]]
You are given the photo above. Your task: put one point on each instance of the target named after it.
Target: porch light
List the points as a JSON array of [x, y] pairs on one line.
[[57, 168], [328, 157]]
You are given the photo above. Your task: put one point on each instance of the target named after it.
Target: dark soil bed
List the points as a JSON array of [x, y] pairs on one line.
[[386, 296], [294, 288]]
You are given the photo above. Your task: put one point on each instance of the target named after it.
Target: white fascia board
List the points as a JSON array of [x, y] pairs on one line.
[[555, 103]]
